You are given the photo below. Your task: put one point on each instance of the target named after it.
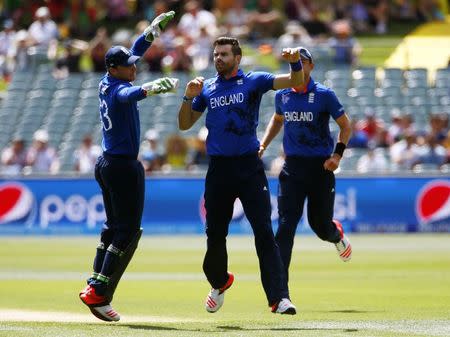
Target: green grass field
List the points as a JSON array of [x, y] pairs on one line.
[[395, 285]]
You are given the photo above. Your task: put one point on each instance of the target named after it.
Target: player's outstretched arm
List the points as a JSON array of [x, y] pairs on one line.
[[186, 116], [296, 77], [160, 86]]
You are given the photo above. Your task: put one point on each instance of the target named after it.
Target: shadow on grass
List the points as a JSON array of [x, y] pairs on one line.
[[155, 327], [238, 328], [222, 328], [349, 311]]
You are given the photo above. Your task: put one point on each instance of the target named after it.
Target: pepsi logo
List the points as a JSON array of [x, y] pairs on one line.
[[16, 201], [433, 202]]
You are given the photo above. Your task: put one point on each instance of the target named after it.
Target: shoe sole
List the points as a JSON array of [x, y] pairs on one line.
[[100, 316], [290, 311]]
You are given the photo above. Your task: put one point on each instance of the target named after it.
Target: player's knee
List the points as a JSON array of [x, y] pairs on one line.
[[123, 237]]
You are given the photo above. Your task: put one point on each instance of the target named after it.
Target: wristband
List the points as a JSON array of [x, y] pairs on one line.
[[296, 66], [339, 149], [262, 146], [187, 99]]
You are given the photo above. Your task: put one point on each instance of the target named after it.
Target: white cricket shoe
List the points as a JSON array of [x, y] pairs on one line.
[[284, 307], [344, 246], [215, 298]]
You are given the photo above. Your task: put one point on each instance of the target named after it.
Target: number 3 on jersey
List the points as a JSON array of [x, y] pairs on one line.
[[106, 121]]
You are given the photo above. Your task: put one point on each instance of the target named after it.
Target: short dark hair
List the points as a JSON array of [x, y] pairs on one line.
[[235, 47]]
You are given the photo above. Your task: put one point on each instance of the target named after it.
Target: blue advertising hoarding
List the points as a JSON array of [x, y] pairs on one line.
[[175, 205]]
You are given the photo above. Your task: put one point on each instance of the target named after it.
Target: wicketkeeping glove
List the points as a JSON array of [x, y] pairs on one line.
[[158, 24], [160, 86]]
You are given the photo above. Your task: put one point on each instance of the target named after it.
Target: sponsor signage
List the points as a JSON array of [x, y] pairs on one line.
[[176, 205]]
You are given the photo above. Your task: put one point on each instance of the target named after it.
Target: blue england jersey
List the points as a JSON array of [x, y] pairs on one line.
[[306, 119], [119, 113], [233, 111]]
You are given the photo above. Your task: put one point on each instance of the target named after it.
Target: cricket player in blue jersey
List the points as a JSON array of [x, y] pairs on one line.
[[117, 171], [310, 160], [235, 170]]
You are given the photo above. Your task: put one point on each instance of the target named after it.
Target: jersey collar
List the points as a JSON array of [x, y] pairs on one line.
[[309, 86]]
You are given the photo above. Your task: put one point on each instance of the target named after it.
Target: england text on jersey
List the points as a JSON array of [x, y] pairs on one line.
[[226, 100], [298, 116]]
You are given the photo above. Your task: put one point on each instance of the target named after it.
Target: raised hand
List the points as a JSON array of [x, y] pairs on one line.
[[160, 86], [194, 87], [290, 55], [157, 25]]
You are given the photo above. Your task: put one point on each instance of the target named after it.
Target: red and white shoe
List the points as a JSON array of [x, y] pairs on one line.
[[344, 246], [284, 307], [98, 305], [215, 298]]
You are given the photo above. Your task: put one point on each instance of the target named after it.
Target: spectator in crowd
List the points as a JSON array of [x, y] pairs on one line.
[[395, 129], [431, 152], [437, 127], [371, 125], [316, 26], [407, 124], [98, 47], [19, 53], [378, 15], [359, 16], [41, 158], [372, 161], [13, 157], [345, 47], [236, 20], [198, 158], [86, 156], [69, 61], [405, 153], [200, 50], [358, 138], [44, 33], [178, 59], [403, 10], [176, 153], [265, 21], [7, 38], [295, 35], [196, 17], [150, 155]]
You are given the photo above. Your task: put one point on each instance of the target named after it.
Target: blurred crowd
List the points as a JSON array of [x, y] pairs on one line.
[[178, 153], [399, 146], [65, 30], [75, 35]]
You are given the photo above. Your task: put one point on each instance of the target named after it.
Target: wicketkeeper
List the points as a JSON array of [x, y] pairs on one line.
[[117, 171]]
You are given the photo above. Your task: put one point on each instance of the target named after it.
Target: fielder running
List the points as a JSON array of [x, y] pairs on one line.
[[117, 171], [310, 160], [235, 171]]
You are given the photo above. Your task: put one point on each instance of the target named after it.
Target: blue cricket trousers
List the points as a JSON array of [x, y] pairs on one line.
[[241, 177]]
